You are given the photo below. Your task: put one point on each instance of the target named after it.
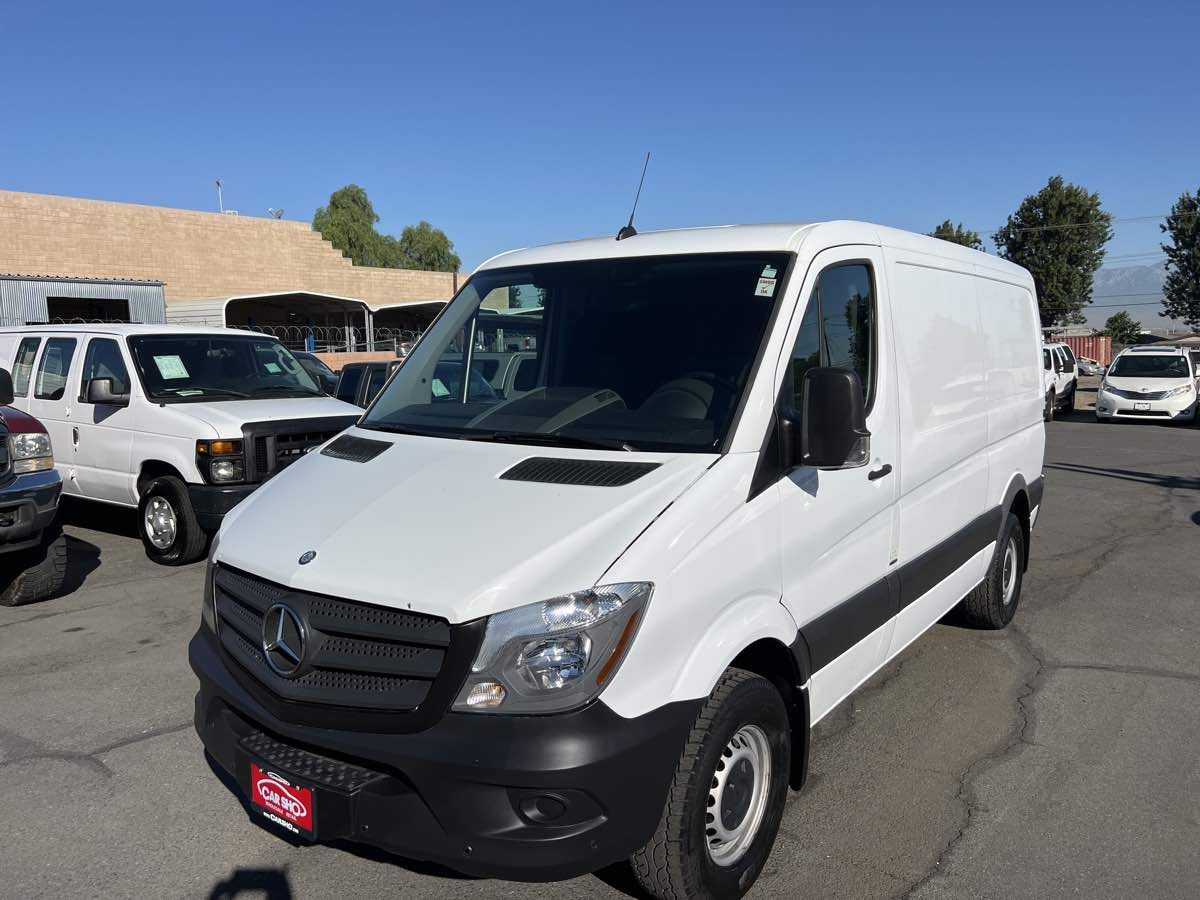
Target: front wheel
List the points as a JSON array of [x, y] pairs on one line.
[[170, 532], [726, 800], [40, 573]]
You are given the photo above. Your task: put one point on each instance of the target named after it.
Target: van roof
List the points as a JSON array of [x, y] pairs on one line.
[[782, 237], [120, 329]]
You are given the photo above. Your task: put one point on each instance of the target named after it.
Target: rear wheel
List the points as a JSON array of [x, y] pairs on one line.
[[726, 799], [993, 603], [170, 532], [39, 573]]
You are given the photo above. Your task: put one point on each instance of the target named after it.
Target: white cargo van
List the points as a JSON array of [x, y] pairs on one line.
[[534, 634], [181, 423]]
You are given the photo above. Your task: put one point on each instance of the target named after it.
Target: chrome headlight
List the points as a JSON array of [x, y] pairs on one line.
[[31, 452], [554, 655], [1177, 392]]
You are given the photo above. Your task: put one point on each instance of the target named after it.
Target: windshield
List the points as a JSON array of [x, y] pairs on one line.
[[1149, 366], [649, 353], [205, 367]]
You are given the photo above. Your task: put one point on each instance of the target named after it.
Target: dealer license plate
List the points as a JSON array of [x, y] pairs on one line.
[[281, 800], [1141, 406]]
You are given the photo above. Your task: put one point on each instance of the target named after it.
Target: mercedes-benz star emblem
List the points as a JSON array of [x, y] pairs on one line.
[[283, 640], [307, 556]]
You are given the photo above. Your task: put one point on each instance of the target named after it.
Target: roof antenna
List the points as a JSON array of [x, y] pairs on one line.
[[628, 230]]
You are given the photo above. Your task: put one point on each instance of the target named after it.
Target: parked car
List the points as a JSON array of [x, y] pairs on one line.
[[1060, 362], [1089, 366], [1156, 383], [324, 376], [613, 607], [360, 382], [182, 424], [33, 551]]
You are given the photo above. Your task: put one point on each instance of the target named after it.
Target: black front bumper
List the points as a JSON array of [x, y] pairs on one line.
[[210, 502], [28, 504], [530, 798]]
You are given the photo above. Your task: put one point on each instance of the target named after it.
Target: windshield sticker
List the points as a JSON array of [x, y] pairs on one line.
[[768, 272], [170, 367], [766, 287], [439, 389], [188, 392], [273, 368]]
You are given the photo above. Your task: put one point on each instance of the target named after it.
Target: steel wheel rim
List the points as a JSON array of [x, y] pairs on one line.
[[738, 795], [1008, 571], [160, 523]]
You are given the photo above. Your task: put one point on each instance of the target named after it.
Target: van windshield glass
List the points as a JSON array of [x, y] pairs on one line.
[[1149, 366], [649, 353], [190, 367]]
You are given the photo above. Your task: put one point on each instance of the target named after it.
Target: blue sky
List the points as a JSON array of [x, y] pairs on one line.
[[514, 124]]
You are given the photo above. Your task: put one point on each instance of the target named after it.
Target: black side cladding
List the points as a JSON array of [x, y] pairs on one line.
[[585, 472], [355, 449]]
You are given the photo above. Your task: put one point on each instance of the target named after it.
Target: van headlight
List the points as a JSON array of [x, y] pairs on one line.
[[221, 462], [555, 655], [31, 452], [1177, 392]]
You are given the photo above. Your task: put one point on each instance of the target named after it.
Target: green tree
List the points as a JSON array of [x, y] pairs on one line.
[[422, 246], [956, 234], [348, 222], [1181, 289], [1122, 328], [1058, 234]]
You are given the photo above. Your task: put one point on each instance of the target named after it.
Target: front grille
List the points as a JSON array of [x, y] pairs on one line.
[[1151, 413], [276, 445], [1137, 395], [310, 767], [5, 461], [354, 655]]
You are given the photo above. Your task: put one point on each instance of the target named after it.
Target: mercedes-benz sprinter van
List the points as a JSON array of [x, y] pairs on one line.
[[532, 634]]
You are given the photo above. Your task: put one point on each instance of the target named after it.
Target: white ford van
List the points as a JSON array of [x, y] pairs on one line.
[[182, 424], [594, 618]]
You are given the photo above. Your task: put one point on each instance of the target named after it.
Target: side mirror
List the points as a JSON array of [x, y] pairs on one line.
[[833, 422], [6, 388], [100, 392]]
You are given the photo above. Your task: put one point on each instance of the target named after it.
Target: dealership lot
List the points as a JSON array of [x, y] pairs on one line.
[[1064, 759]]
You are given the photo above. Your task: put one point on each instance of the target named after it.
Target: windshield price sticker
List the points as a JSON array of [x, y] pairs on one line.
[[766, 287], [273, 368], [170, 367]]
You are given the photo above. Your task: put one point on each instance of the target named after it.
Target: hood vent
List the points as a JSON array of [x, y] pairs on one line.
[[589, 472], [355, 449]]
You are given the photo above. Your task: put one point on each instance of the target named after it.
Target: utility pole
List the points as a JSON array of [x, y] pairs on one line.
[[220, 200]]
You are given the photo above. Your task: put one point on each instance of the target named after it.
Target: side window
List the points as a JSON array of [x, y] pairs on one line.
[[347, 386], [1046, 364], [23, 365], [526, 377], [53, 370], [103, 360], [378, 376], [838, 328], [1068, 355]]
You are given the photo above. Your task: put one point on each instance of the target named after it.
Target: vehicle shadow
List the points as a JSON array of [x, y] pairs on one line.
[[83, 558], [98, 517], [1172, 482], [268, 884]]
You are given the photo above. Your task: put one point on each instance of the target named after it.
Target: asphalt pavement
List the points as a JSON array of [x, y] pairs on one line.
[[1055, 759]]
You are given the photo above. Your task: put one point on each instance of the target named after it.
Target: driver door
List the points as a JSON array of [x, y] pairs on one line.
[[102, 434]]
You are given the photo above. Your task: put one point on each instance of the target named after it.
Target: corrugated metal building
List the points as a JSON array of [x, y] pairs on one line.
[[38, 299]]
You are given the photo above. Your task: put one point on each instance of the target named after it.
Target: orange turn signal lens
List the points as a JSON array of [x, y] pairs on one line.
[[219, 448]]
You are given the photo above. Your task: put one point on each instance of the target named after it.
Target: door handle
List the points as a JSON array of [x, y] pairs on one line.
[[876, 474], [75, 436]]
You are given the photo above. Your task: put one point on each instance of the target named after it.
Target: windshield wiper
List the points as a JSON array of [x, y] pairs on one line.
[[549, 438], [401, 429], [275, 388]]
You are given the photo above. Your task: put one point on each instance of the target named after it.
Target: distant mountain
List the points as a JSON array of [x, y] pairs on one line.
[[1136, 289]]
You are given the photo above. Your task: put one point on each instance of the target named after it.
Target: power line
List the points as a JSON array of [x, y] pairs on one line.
[[1121, 220]]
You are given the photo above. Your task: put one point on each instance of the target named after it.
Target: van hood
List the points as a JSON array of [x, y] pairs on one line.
[[429, 525], [228, 416], [1146, 385]]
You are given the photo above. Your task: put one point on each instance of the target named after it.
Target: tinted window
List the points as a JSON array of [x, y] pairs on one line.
[[347, 388], [526, 377], [23, 365], [378, 377], [103, 360], [838, 328], [1068, 356], [54, 368], [1156, 365], [1046, 363]]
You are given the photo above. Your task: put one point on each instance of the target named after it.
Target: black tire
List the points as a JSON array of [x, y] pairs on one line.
[[677, 863], [1048, 412], [189, 539], [42, 571], [989, 605], [1069, 401]]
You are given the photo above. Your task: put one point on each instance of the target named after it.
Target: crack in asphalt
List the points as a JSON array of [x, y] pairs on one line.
[[18, 749]]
